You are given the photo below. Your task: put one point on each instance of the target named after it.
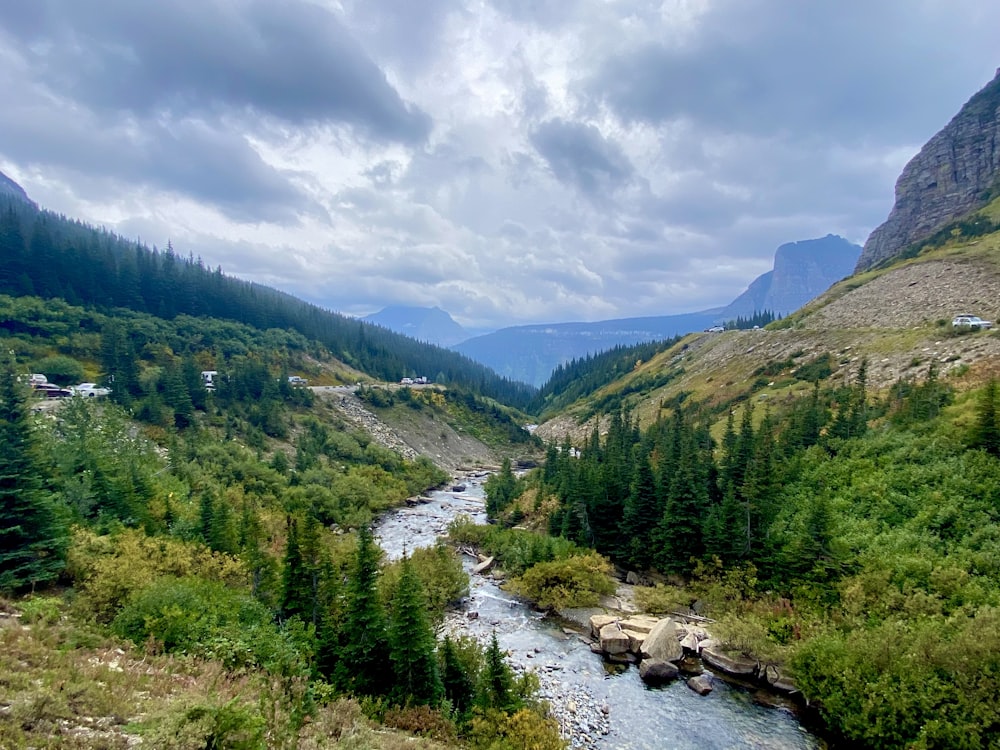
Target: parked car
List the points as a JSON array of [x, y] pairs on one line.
[[715, 329], [970, 321], [296, 380], [89, 390]]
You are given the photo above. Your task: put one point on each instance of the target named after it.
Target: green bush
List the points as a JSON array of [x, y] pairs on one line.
[[196, 616], [577, 581]]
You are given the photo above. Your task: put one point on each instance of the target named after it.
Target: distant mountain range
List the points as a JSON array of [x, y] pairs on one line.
[[430, 324], [802, 271]]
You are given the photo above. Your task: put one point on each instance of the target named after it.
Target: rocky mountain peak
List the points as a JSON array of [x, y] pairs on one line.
[[954, 173], [802, 270]]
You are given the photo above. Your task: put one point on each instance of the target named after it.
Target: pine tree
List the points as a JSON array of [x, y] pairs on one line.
[[458, 685], [496, 682], [361, 667], [640, 517], [680, 529], [411, 644], [32, 538], [986, 434], [294, 590]]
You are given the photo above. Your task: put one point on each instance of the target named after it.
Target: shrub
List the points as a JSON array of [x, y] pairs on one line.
[[232, 725], [577, 581], [110, 568], [192, 615]]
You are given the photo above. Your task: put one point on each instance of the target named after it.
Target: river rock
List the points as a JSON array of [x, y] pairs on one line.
[[599, 621], [613, 640], [639, 623], [739, 666], [657, 671], [635, 640], [662, 643], [484, 566], [701, 684], [690, 642]]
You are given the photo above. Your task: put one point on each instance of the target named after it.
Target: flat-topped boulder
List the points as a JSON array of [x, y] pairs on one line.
[[613, 640], [639, 623], [662, 642], [635, 640], [597, 622]]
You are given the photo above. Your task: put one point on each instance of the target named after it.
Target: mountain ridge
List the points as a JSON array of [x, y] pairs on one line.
[[955, 172], [531, 353]]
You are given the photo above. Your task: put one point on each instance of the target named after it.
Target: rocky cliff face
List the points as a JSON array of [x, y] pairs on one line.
[[802, 271], [950, 177]]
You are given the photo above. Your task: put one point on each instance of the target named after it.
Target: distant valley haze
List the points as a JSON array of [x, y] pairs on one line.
[[511, 163]]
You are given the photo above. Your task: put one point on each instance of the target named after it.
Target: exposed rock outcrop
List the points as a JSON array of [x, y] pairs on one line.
[[951, 176], [802, 271]]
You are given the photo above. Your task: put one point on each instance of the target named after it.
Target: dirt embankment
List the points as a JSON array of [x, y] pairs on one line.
[[413, 433]]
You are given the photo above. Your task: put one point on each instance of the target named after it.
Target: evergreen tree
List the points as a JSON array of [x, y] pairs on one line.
[[32, 538], [411, 644], [640, 517], [501, 489], [458, 686], [496, 682], [361, 667], [680, 529], [986, 433]]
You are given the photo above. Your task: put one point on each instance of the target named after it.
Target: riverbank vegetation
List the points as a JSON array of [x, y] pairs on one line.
[[853, 536], [229, 574]]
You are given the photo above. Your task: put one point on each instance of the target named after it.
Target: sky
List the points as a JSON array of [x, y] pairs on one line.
[[511, 161]]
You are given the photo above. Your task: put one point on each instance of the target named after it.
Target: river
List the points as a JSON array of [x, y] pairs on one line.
[[595, 708]]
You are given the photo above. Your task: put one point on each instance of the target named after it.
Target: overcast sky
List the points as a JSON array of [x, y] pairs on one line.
[[511, 161]]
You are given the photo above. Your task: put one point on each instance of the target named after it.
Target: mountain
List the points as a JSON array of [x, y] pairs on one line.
[[802, 270], [10, 188], [430, 324], [957, 171], [48, 256], [530, 353]]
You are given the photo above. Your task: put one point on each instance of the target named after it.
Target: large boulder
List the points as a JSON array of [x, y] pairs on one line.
[[597, 622], [613, 640], [635, 640], [662, 643], [657, 671], [640, 623], [738, 666]]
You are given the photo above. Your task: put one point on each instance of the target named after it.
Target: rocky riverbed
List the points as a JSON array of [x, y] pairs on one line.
[[597, 704]]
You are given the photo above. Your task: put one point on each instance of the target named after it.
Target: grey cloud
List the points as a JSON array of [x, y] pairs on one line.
[[189, 157], [764, 67], [294, 61], [577, 153], [404, 31]]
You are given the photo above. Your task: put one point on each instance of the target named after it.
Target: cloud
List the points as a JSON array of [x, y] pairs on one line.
[[578, 154], [509, 161], [293, 61]]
